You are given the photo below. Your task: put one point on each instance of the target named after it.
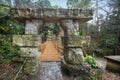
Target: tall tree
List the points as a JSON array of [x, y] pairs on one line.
[[114, 19], [110, 26], [78, 3], [43, 4], [23, 3]]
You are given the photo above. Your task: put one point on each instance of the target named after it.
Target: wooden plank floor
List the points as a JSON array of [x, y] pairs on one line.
[[50, 52]]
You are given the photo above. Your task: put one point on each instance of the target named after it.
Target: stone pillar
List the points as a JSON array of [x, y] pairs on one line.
[[28, 44], [70, 28], [33, 26], [69, 62]]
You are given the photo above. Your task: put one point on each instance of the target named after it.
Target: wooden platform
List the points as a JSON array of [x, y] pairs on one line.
[[50, 53], [113, 63], [113, 58]]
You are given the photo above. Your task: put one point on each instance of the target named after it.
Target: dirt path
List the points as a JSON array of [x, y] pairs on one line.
[[50, 52]]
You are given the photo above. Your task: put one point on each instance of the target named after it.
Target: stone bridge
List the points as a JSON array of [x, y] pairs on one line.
[[34, 19]]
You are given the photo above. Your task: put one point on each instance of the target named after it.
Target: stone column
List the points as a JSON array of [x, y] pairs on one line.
[[28, 44], [33, 26], [70, 28]]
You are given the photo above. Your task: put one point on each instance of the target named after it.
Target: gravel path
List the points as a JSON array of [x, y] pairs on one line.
[[111, 76], [46, 74], [107, 74]]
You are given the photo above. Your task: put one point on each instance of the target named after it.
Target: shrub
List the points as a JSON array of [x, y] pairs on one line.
[[7, 51]]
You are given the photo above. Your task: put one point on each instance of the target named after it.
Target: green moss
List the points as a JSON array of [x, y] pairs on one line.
[[28, 68], [95, 73]]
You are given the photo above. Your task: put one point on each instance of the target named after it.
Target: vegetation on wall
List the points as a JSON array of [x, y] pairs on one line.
[[8, 27]]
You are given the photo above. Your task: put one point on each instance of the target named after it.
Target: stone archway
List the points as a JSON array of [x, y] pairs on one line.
[[34, 20]]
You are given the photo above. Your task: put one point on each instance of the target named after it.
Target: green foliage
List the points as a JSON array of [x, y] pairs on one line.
[[78, 3], [11, 26], [55, 28], [80, 31], [111, 42], [23, 3], [84, 4], [32, 3], [4, 11], [91, 60], [7, 24], [8, 27], [55, 6], [108, 42], [42, 4], [72, 3], [44, 32], [6, 49], [107, 51]]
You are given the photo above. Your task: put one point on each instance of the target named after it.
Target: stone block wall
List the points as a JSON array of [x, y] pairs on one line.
[[26, 40], [28, 44]]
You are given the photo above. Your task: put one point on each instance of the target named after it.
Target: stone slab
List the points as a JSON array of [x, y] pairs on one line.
[[113, 63], [26, 40], [76, 41], [49, 14], [30, 52], [114, 58]]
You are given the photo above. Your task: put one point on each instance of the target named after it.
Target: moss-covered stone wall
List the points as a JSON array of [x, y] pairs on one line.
[[28, 45]]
